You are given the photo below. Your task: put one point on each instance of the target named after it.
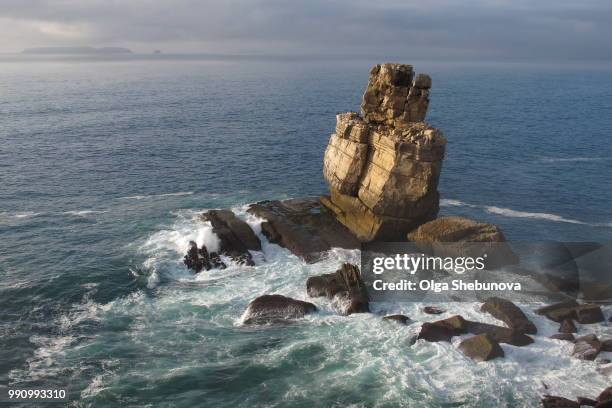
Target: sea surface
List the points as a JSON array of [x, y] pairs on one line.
[[104, 167]]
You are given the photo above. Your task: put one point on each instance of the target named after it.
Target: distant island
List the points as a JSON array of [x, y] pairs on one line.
[[76, 50]]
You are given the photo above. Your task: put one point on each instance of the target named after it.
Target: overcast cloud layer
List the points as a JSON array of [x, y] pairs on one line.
[[493, 29]]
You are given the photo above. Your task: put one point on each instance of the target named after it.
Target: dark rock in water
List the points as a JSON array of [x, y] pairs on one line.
[[558, 402], [303, 226], [583, 401], [481, 348], [605, 396], [559, 312], [570, 310], [568, 326], [198, 259], [443, 330], [560, 315], [276, 308], [499, 334], [345, 287], [236, 237], [398, 318], [587, 347], [510, 314], [446, 329], [215, 260], [606, 345], [587, 314], [192, 259], [433, 310], [567, 304], [564, 337]]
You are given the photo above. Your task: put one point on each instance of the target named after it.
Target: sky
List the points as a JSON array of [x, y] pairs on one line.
[[556, 30]]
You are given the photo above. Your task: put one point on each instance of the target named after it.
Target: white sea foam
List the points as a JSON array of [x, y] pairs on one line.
[[83, 213], [143, 197], [201, 313], [508, 212], [574, 159], [19, 215], [535, 215]]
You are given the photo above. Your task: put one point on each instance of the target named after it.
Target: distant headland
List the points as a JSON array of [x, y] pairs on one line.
[[76, 50]]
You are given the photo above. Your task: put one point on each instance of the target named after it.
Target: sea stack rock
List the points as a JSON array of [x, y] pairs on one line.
[[383, 166]]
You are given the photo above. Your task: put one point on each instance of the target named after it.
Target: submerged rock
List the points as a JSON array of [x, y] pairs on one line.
[[432, 310], [303, 226], [275, 309], [344, 287], [563, 336], [510, 314], [587, 347], [383, 166], [481, 348], [398, 318]]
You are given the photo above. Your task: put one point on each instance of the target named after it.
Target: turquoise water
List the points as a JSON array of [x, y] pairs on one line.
[[104, 167]]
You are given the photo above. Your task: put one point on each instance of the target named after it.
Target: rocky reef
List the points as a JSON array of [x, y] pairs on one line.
[[383, 166]]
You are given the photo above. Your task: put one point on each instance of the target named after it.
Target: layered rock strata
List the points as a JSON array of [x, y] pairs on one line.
[[383, 166]]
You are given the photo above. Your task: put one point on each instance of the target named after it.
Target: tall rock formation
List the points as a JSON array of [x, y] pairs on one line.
[[383, 166]]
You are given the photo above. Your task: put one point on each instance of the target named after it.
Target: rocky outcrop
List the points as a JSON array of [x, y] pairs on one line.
[[572, 310], [499, 334], [276, 308], [344, 287], [199, 259], [303, 226], [443, 330], [446, 329], [510, 314], [383, 166], [481, 348], [236, 236], [458, 236]]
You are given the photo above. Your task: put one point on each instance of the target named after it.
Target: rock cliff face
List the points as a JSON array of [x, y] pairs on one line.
[[383, 166]]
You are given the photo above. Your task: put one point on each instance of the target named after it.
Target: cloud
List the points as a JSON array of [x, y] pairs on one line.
[[518, 29]]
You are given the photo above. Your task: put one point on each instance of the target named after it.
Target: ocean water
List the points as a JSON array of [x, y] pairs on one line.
[[104, 167]]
